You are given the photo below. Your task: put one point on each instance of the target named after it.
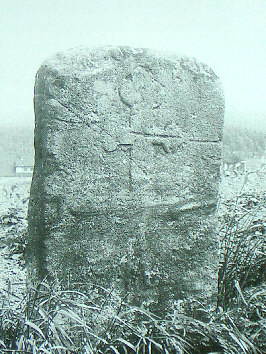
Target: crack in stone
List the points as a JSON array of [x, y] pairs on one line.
[[130, 168], [109, 151], [174, 136], [149, 71], [154, 135], [125, 102], [66, 121], [68, 109], [204, 141], [179, 207]]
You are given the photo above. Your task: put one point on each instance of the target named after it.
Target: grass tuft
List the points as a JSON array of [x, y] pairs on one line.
[[52, 320]]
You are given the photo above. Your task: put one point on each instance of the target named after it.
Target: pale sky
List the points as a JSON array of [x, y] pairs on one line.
[[228, 35]]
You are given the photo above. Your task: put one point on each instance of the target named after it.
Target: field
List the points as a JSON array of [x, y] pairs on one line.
[[14, 192], [235, 326]]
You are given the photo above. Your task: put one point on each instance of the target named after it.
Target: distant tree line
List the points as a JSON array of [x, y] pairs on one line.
[[17, 140], [242, 143]]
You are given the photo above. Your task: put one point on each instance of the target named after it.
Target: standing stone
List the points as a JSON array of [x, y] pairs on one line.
[[127, 157]]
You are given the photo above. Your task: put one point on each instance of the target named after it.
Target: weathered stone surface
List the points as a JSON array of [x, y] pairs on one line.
[[127, 145]]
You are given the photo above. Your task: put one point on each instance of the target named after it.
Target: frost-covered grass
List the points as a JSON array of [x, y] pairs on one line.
[[50, 319], [14, 195]]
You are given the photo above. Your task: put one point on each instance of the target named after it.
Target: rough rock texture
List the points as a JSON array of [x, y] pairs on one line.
[[128, 145]]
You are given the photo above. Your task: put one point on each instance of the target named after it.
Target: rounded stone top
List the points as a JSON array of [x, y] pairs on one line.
[[84, 60]]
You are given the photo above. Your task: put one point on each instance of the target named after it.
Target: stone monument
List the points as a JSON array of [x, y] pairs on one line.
[[127, 159]]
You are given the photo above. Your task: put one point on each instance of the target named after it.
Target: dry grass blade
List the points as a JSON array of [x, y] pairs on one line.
[[2, 343], [125, 342], [114, 349], [158, 345], [242, 340], [35, 327], [74, 317], [240, 291], [258, 293]]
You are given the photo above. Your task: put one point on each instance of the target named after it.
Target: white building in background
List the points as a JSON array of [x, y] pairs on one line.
[[23, 168], [237, 168], [16, 152]]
